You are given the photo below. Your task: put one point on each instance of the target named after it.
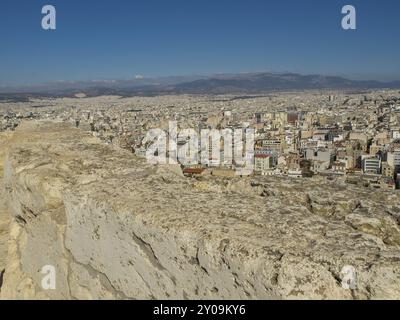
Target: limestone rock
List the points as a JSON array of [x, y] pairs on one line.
[[115, 227]]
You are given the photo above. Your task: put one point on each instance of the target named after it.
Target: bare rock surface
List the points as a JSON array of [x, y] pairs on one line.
[[4, 214], [115, 227]]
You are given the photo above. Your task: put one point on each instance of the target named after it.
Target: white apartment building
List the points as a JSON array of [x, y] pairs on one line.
[[263, 162], [393, 158], [371, 164]]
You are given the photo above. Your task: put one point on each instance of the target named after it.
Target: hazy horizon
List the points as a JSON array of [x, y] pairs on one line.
[[186, 78]]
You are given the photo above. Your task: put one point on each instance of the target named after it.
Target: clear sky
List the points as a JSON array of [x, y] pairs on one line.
[[118, 39]]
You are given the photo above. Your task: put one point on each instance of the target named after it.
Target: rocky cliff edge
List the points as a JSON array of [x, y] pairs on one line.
[[115, 227]]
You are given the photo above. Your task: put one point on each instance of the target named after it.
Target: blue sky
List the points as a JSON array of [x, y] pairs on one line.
[[104, 39]]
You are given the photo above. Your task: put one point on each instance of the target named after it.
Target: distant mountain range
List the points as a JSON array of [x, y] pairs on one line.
[[266, 82], [245, 83]]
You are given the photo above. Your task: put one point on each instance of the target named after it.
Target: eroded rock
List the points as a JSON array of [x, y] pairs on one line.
[[115, 227]]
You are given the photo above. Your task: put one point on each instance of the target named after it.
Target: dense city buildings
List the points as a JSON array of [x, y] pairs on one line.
[[353, 136]]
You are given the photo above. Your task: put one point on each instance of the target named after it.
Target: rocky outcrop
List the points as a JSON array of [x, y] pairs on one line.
[[5, 216], [115, 227]]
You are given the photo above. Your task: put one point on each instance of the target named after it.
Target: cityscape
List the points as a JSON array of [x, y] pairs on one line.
[[354, 137], [202, 157]]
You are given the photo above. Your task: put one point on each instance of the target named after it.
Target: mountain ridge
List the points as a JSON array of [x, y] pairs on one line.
[[261, 82]]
